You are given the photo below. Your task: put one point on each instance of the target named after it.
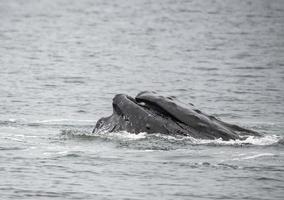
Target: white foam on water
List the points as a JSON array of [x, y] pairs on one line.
[[124, 135], [262, 141]]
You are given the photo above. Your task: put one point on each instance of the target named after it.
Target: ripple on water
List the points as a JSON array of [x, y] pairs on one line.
[[62, 61]]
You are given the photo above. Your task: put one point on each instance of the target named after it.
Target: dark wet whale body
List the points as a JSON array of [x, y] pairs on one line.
[[152, 113]]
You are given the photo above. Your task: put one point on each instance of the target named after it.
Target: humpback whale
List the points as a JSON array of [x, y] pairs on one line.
[[151, 113]]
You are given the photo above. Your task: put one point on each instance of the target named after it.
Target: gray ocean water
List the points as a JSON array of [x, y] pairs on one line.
[[62, 61]]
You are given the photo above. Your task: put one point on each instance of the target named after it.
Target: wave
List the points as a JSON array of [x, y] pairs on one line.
[[257, 156], [53, 123], [266, 140], [74, 128]]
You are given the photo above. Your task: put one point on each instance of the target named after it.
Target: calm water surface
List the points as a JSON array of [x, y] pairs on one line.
[[62, 61]]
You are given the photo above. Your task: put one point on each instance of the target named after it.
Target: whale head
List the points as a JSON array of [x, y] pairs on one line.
[[132, 115], [151, 113]]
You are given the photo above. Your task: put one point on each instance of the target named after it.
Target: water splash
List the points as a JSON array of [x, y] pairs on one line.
[[266, 140], [250, 140], [124, 135]]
